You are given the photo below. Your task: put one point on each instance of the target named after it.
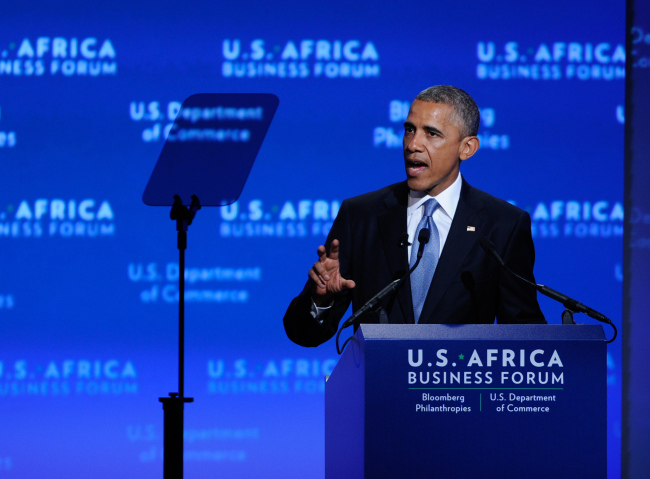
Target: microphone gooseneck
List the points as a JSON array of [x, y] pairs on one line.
[[569, 303], [423, 239]]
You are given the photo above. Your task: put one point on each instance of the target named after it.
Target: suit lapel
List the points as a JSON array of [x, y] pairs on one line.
[[457, 246], [392, 225]]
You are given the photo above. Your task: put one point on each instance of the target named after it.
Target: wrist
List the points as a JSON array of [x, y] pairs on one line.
[[322, 301]]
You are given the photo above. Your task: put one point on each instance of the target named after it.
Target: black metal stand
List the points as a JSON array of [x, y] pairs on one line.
[[567, 317], [174, 404]]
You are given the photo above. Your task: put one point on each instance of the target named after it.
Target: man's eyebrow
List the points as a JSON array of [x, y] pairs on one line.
[[427, 128], [431, 129]]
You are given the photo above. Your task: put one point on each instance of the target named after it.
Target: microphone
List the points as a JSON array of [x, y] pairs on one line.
[[569, 303], [489, 247], [423, 238]]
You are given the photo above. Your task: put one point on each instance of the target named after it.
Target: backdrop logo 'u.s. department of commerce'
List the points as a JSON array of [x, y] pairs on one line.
[[280, 219], [162, 120], [299, 59], [24, 377], [550, 61], [62, 56], [578, 219], [87, 218], [210, 284], [204, 444], [271, 376], [157, 116], [398, 110]]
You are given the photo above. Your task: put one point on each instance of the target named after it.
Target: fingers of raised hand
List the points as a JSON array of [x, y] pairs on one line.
[[334, 250], [318, 281], [322, 253], [320, 270]]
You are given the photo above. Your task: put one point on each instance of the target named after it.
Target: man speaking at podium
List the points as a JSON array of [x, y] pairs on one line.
[[457, 281]]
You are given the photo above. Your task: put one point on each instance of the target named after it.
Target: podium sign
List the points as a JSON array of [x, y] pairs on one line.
[[461, 401]]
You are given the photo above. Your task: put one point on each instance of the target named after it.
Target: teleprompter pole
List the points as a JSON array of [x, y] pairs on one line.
[[174, 404]]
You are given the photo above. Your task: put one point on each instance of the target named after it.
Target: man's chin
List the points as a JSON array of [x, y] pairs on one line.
[[416, 184]]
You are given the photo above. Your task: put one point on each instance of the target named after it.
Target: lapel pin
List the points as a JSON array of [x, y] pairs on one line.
[[471, 228]]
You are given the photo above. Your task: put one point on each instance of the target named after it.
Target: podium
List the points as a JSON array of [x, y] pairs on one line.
[[468, 401]]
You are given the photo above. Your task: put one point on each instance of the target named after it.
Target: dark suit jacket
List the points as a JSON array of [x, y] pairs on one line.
[[468, 287]]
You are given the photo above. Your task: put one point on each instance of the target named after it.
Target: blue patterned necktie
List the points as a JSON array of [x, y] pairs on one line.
[[423, 274]]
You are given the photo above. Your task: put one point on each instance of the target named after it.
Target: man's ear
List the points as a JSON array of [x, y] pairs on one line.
[[468, 146]]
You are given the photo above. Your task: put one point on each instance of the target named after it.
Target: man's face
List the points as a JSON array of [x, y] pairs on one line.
[[433, 148]]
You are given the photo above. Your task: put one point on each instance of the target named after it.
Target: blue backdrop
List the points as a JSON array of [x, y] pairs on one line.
[[636, 358], [88, 295]]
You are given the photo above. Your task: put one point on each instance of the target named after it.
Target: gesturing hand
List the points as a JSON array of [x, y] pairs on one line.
[[325, 277]]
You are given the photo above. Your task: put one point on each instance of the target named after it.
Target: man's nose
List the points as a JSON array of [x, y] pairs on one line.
[[414, 143]]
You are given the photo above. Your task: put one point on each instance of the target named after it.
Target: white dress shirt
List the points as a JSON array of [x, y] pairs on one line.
[[442, 216]]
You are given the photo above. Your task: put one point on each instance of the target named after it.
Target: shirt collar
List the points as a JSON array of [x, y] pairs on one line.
[[448, 199]]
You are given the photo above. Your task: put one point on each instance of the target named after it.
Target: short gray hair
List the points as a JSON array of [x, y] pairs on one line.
[[465, 108]]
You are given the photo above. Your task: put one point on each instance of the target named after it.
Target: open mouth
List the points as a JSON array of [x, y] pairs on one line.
[[415, 167]]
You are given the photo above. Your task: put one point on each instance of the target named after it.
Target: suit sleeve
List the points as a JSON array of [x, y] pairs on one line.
[[517, 302], [299, 324]]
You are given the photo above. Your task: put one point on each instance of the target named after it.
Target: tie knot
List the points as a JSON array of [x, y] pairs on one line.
[[430, 206]]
